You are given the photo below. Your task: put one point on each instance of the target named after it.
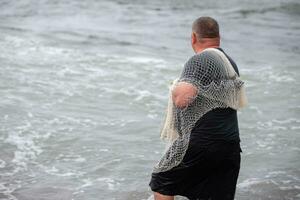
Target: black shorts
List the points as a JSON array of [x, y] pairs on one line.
[[205, 173]]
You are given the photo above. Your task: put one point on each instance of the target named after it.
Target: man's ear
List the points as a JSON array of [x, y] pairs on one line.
[[193, 38]]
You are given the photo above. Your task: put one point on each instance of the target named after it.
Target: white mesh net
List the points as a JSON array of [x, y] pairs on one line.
[[218, 86]]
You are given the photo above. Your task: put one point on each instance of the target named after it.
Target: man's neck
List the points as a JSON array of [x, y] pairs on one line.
[[199, 50], [207, 43]]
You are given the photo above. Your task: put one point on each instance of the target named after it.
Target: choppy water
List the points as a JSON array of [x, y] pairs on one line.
[[83, 88]]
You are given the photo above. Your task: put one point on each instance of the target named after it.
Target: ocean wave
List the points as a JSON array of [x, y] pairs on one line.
[[291, 8], [2, 163], [283, 183], [278, 124], [6, 191], [26, 147], [110, 183]]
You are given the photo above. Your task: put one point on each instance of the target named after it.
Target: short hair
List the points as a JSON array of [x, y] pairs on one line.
[[206, 27]]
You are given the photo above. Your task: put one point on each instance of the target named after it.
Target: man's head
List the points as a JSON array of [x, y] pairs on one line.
[[205, 34]]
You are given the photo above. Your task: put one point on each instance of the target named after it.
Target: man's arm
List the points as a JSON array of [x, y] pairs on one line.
[[183, 94]]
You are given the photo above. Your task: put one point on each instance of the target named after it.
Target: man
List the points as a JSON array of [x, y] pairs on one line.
[[203, 162]]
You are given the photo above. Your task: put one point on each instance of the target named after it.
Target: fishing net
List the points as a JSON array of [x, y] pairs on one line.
[[218, 86]]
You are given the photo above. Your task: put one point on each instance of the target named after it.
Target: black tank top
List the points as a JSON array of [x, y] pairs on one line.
[[220, 124]]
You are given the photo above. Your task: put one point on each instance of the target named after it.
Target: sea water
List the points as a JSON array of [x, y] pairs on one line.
[[84, 86]]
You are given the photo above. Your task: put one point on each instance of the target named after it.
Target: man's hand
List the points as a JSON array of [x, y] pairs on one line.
[[183, 94]]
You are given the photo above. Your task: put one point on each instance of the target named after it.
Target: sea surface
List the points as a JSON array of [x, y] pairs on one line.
[[84, 87]]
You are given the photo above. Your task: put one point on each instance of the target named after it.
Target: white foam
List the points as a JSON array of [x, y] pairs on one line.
[[295, 127], [258, 111], [66, 174], [275, 173], [67, 71], [142, 94], [30, 115], [152, 116], [7, 191], [52, 170], [2, 163], [270, 125], [80, 160], [269, 73], [280, 78], [249, 182], [26, 147], [103, 150], [286, 187], [57, 172], [87, 183], [151, 197], [111, 183], [286, 121], [143, 60], [71, 157]]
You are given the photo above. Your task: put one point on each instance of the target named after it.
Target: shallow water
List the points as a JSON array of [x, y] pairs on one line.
[[84, 86]]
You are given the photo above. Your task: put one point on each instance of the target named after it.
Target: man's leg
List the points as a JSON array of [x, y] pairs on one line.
[[225, 178], [158, 196]]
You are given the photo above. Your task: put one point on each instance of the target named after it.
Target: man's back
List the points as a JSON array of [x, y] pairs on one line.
[[220, 124]]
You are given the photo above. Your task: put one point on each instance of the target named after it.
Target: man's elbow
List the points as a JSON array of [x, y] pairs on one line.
[[180, 102], [183, 94]]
